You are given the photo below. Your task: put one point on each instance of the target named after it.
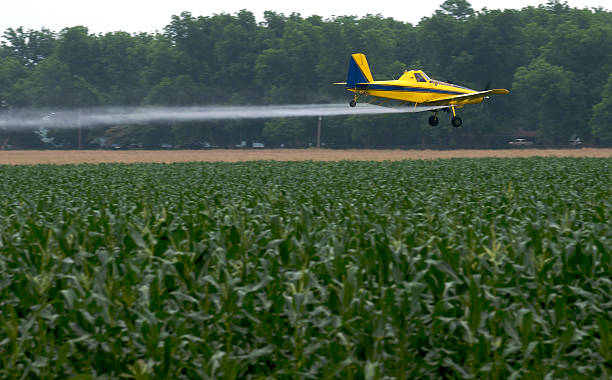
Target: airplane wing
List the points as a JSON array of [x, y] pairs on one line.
[[425, 108], [402, 106], [459, 98]]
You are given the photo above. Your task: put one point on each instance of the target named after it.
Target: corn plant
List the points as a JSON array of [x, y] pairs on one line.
[[463, 268]]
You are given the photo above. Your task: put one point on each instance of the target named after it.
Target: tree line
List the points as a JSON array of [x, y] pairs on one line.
[[556, 61]]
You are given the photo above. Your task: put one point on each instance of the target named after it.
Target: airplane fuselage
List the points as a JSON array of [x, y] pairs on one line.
[[412, 87]]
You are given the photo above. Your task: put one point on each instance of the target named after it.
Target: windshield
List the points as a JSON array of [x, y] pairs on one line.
[[419, 77]]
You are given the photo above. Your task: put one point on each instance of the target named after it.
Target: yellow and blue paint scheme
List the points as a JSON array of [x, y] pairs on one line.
[[414, 88]]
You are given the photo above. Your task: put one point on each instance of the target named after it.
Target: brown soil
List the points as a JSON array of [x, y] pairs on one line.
[[32, 157]]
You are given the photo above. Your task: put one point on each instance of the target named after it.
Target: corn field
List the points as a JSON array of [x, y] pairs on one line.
[[457, 269]]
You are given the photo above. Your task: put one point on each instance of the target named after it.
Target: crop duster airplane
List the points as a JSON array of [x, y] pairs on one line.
[[413, 89]]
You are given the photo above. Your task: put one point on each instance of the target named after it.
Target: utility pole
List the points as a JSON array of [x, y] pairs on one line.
[[319, 132]]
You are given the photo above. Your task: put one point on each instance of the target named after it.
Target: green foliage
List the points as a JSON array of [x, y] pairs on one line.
[[465, 268], [180, 90], [289, 132], [50, 84], [232, 59], [10, 72], [29, 47], [547, 96], [601, 123], [459, 9]]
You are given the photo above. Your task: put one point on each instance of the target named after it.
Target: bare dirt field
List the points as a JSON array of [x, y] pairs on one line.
[[33, 157]]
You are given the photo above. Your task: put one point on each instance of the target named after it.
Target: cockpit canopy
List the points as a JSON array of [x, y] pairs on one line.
[[418, 76], [421, 76], [415, 76]]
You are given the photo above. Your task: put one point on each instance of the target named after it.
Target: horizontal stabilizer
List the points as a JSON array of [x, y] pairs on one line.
[[353, 85]]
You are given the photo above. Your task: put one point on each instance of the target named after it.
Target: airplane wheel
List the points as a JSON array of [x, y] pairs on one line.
[[456, 121], [352, 103], [433, 121]]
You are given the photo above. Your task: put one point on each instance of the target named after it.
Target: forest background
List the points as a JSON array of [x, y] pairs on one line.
[[556, 61]]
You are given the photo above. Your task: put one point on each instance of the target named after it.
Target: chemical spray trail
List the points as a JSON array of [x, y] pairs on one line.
[[90, 117]]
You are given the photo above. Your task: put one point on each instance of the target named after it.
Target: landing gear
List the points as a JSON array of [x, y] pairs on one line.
[[456, 120], [353, 101], [433, 120]]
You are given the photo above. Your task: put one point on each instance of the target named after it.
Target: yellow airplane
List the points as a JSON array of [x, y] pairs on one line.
[[413, 89]]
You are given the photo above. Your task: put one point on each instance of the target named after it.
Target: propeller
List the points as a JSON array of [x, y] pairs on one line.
[[487, 86], [486, 98]]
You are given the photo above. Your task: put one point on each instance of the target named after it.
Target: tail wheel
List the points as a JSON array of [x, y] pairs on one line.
[[353, 103], [433, 121], [456, 121]]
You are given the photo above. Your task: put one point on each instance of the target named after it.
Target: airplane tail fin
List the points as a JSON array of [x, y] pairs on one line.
[[359, 71]]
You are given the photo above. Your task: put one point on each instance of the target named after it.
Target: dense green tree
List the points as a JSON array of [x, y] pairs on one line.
[[271, 73], [10, 72], [439, 38], [583, 45], [485, 56], [181, 90], [51, 84], [195, 37], [548, 101], [79, 50], [235, 50], [122, 58], [460, 9], [29, 47], [290, 132], [163, 59], [274, 26], [337, 38], [556, 60], [601, 123]]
